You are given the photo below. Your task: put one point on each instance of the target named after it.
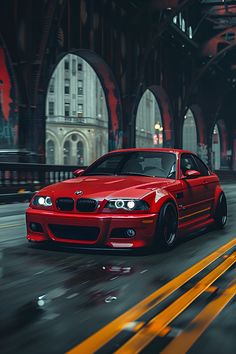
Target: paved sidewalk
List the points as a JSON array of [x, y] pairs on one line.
[[13, 209]]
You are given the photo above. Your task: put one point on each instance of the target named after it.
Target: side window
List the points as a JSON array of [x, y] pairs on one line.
[[202, 168], [187, 162]]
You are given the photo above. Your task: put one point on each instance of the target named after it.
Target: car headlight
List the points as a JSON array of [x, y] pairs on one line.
[[42, 201], [127, 204]]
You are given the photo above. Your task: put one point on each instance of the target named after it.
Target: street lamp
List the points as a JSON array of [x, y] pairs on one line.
[[158, 136]]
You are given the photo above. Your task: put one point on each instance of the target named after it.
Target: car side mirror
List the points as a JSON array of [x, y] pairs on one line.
[[78, 172], [191, 174]]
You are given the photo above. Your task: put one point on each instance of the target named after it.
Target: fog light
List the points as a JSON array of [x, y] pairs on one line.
[[130, 232], [36, 227]]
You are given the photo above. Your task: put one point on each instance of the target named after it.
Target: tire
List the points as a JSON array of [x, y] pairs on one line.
[[220, 215], [167, 224]]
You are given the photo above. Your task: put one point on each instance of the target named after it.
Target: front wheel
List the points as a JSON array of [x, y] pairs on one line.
[[167, 224], [220, 215]]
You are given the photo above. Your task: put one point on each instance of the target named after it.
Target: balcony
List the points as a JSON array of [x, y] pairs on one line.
[[83, 121]]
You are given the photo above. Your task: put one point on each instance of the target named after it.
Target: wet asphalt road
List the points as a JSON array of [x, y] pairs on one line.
[[52, 299]]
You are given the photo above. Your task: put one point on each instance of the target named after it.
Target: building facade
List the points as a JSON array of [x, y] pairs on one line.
[[76, 111]]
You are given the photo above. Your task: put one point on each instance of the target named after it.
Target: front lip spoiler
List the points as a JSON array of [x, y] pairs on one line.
[[75, 247]]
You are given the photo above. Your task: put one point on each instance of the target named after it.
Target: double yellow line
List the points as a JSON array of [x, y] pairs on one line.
[[199, 324], [145, 333]]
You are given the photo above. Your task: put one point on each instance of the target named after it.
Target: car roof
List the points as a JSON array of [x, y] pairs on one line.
[[171, 150]]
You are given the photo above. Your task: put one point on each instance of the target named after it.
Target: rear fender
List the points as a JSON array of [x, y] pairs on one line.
[[218, 192]]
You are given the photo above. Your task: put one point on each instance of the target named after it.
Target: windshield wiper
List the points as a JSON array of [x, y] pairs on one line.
[[134, 174], [99, 174]]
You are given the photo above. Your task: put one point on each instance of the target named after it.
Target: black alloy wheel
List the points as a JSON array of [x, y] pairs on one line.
[[167, 225], [220, 215]]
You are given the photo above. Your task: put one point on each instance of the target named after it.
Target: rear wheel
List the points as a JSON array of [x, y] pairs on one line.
[[220, 215], [167, 224]]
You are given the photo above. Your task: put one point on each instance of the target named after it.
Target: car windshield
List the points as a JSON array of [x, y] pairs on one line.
[[141, 163]]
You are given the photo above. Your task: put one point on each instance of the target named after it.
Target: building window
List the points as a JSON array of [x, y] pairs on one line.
[[73, 66], [67, 86], [80, 110], [80, 87], [51, 108], [50, 152], [180, 20], [80, 67], [66, 64], [51, 85], [175, 19], [67, 109], [67, 152], [80, 153], [190, 32]]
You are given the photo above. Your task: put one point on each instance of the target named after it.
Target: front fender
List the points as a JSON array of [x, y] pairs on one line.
[[157, 198]]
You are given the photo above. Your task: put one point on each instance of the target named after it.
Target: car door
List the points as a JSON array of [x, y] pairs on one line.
[[210, 181], [196, 192]]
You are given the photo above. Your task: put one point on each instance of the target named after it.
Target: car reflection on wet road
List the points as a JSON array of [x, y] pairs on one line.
[[57, 300]]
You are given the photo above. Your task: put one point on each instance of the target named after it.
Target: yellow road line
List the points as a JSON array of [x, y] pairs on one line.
[[6, 226], [105, 334], [201, 322], [144, 337]]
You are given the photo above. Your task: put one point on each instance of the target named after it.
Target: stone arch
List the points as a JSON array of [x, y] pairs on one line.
[[52, 136], [165, 113], [83, 138], [189, 132], [200, 142], [149, 128], [111, 92], [200, 123], [219, 143], [51, 153], [80, 152]]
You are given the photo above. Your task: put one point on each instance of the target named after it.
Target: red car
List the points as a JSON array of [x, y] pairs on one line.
[[128, 199]]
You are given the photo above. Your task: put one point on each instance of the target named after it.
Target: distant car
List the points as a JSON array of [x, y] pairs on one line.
[[129, 199]]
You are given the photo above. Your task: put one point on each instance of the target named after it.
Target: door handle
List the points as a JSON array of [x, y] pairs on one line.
[[205, 182]]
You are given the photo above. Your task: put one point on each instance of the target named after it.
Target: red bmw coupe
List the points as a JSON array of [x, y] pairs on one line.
[[128, 199]]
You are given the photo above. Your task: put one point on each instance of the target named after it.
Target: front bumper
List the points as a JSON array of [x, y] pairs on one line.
[[143, 224]]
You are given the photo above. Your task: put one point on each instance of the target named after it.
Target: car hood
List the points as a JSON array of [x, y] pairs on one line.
[[108, 187]]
